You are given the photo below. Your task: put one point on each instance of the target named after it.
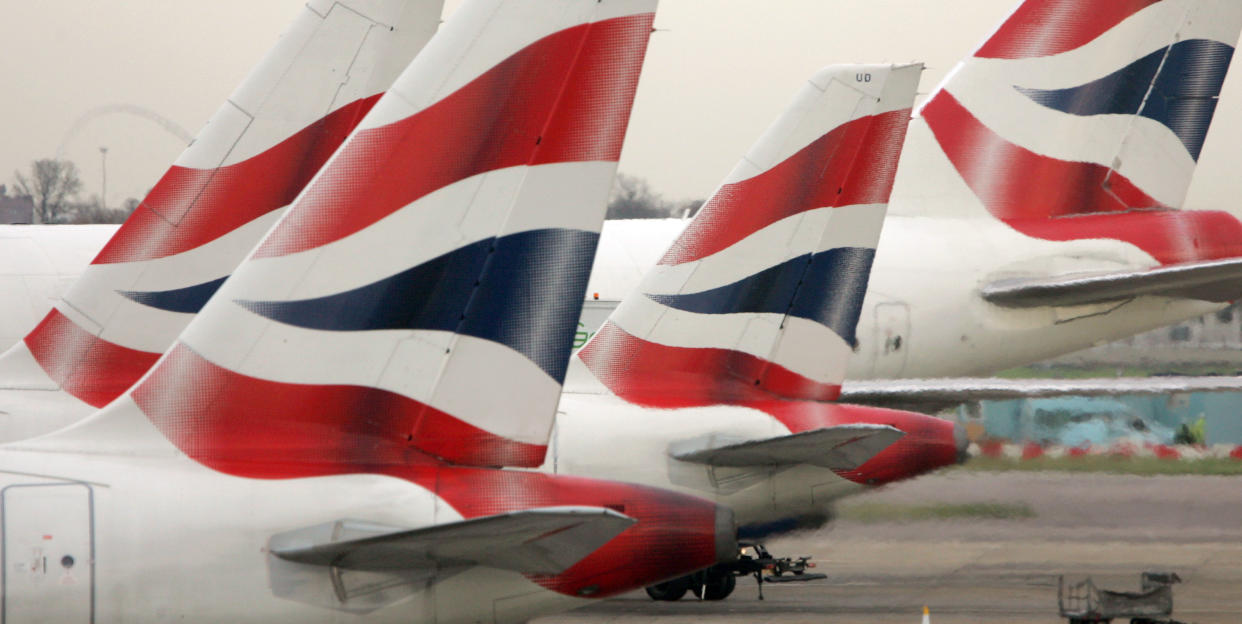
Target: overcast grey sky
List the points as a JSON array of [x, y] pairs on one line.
[[717, 73]]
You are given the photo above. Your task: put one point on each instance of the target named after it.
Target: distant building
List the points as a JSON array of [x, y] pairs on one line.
[[15, 209]]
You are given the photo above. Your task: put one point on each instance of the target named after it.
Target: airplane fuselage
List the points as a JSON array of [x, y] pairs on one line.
[[923, 315], [601, 436], [165, 539], [108, 522]]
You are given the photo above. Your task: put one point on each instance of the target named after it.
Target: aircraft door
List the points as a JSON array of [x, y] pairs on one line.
[[891, 339], [48, 556]]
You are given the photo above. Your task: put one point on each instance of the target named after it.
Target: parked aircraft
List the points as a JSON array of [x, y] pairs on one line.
[[315, 447], [1036, 210], [207, 212], [977, 272], [718, 376]]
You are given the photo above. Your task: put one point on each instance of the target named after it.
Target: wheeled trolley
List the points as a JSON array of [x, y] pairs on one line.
[[1084, 603]]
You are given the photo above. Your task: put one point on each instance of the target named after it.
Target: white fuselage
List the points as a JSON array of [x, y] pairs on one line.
[[924, 289], [93, 535], [38, 263], [173, 541], [923, 315], [603, 437]]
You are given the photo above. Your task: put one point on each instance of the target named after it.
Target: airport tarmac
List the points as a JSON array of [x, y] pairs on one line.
[[1111, 527]]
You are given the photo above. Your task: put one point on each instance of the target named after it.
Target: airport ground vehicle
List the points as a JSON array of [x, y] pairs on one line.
[[287, 462], [719, 581], [1084, 603]]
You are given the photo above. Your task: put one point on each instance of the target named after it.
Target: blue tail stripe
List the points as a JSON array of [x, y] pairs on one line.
[[826, 287], [524, 291], [188, 300], [1183, 97]]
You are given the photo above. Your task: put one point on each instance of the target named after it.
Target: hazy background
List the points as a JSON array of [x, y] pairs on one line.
[[717, 73]]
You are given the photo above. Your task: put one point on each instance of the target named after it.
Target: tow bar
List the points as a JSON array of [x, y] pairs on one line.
[[776, 567], [718, 581]]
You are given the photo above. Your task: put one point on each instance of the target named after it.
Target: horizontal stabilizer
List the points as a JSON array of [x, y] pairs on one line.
[[539, 541], [844, 447], [932, 395], [1217, 281]]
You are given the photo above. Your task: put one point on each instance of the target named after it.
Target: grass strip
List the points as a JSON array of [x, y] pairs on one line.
[[1108, 464], [890, 512]]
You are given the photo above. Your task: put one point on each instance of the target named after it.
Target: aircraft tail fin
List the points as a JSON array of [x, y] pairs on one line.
[[215, 203], [420, 296], [760, 295], [1082, 120]]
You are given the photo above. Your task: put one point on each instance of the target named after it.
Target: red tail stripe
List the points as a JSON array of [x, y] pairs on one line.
[[1037, 195], [544, 117], [189, 208], [257, 428], [1047, 27], [852, 164], [1014, 182], [655, 375], [91, 369], [1169, 236]]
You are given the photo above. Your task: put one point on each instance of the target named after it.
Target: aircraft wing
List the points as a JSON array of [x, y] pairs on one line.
[[932, 395], [844, 447], [1217, 281], [541, 541]]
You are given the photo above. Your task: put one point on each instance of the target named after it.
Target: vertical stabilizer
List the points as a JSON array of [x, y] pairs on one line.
[[211, 208], [420, 296], [1080, 119], [760, 295]]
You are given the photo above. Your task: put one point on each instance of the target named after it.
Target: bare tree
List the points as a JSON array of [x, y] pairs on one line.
[[52, 184], [632, 198], [92, 211]]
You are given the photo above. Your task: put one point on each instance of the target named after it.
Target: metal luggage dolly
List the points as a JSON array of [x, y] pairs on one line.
[[1084, 603]]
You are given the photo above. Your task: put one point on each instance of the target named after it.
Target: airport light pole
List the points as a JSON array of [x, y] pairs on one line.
[[103, 194]]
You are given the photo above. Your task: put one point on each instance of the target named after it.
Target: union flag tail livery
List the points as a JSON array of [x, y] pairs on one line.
[[1085, 120], [298, 455], [722, 365], [211, 208], [425, 287], [759, 296]]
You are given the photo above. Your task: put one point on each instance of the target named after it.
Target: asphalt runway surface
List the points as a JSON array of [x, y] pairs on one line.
[[1110, 527]]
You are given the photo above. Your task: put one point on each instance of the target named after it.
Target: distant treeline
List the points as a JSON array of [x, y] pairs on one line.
[[632, 198]]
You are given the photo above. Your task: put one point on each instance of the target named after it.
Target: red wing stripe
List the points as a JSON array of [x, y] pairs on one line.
[[853, 164], [257, 428], [192, 207], [92, 369], [1047, 27], [656, 375], [527, 97], [674, 531], [928, 442]]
